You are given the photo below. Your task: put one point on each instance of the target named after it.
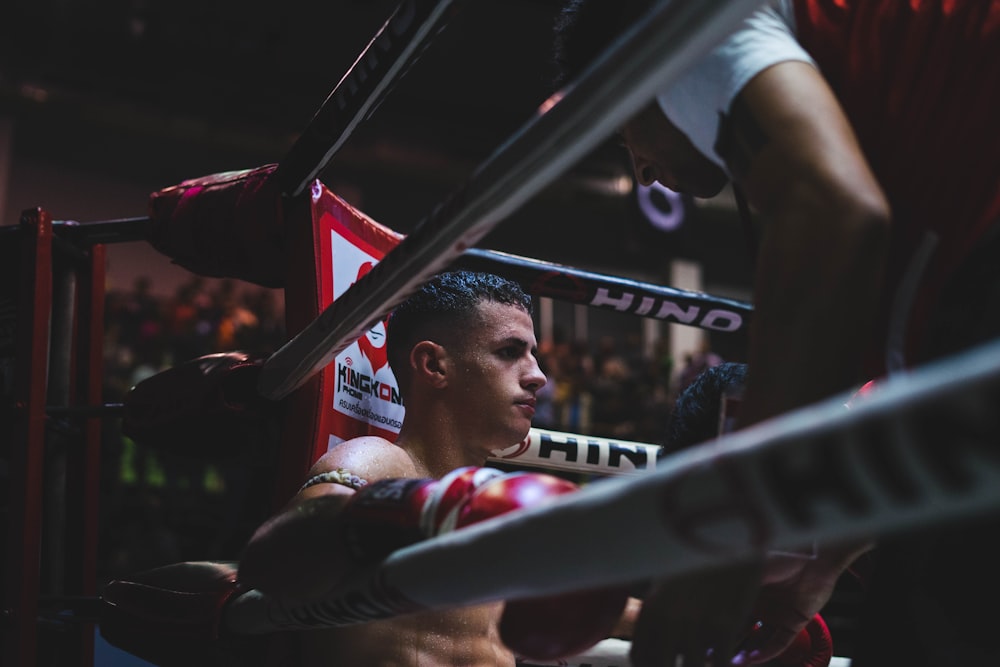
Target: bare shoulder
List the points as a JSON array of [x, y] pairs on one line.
[[369, 457]]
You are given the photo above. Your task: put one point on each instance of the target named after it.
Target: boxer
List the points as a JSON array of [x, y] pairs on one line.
[[463, 352]]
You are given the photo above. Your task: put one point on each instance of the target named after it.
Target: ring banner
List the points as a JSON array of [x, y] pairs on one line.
[[612, 292], [363, 394], [919, 453]]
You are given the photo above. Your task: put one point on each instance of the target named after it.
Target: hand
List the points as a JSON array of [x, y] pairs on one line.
[[697, 620], [705, 619], [794, 590]]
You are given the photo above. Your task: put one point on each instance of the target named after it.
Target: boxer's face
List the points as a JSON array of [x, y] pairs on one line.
[[661, 152], [497, 377]]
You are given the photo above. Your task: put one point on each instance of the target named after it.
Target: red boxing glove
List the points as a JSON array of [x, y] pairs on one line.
[[560, 626], [812, 647], [863, 393], [204, 408], [390, 514], [172, 615], [556, 626], [456, 500], [511, 491], [227, 225]]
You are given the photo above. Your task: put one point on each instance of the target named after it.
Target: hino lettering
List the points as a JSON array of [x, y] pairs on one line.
[[639, 457], [663, 309]]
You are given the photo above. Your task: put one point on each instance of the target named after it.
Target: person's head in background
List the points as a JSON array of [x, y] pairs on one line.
[[659, 151], [697, 412]]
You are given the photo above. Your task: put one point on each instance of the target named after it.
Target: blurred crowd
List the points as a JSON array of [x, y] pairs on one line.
[[147, 332], [612, 388], [158, 509]]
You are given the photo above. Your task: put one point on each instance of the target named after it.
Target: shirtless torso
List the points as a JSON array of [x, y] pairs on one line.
[[466, 637]]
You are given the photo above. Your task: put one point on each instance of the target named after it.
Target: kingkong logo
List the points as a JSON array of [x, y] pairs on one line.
[[372, 347], [360, 385]]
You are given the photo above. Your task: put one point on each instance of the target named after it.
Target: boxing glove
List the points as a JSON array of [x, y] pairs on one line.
[[390, 514], [207, 408], [551, 627], [506, 492], [226, 225], [863, 393], [172, 615], [559, 626], [812, 647]]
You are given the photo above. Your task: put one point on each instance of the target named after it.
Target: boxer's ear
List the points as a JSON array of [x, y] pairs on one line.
[[429, 362]]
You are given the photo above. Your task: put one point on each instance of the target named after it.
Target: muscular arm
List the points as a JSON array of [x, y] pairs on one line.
[[817, 286], [823, 247], [298, 553]]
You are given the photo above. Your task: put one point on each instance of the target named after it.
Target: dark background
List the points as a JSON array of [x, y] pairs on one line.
[[152, 93]]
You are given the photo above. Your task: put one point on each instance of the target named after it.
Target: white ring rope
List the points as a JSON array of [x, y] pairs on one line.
[[571, 452], [920, 452]]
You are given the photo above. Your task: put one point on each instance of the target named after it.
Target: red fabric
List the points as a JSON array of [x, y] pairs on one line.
[[918, 80], [223, 225], [813, 647], [207, 408], [171, 616], [318, 227]]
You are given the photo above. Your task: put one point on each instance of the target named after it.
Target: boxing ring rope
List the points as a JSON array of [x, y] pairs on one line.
[[538, 277], [386, 58], [655, 51], [819, 474], [603, 291]]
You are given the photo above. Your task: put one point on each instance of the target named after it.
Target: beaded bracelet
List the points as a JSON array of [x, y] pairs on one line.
[[340, 476]]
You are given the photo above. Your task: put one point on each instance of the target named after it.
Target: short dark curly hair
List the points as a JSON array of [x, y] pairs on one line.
[[442, 307], [695, 417]]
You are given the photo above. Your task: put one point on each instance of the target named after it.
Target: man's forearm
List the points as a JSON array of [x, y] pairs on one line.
[[817, 295]]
